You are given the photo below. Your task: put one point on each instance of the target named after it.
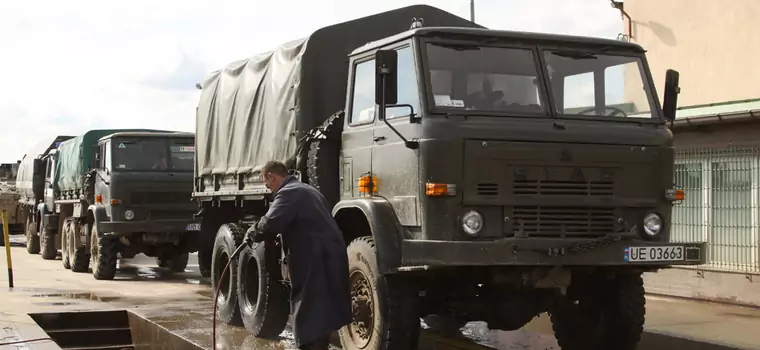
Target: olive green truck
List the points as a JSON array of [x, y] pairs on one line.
[[106, 193], [476, 175]]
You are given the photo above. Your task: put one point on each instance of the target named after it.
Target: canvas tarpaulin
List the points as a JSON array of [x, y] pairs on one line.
[[255, 110]]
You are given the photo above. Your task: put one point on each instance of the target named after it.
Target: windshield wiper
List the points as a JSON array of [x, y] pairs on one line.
[[576, 55], [458, 47]]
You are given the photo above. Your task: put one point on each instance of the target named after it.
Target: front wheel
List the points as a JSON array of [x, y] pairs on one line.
[[385, 309], [263, 298], [104, 252], [606, 314], [32, 239], [48, 250]]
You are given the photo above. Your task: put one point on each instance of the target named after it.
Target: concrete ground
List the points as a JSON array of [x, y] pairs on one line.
[[181, 303]]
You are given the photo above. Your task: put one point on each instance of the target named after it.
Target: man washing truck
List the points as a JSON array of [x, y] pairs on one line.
[[102, 198], [469, 179]]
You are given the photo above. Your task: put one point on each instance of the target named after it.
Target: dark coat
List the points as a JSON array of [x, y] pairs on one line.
[[320, 297]]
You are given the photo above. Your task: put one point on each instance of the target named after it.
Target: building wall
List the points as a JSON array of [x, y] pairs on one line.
[[712, 43]]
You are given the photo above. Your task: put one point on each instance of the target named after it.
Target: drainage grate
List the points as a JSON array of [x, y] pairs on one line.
[[98, 330]]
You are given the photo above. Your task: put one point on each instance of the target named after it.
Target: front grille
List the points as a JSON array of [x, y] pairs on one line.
[[488, 190], [556, 221], [563, 188], [138, 198], [170, 214]]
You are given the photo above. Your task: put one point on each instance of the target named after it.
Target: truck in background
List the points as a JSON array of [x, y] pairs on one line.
[[111, 192], [469, 175], [30, 185], [9, 200]]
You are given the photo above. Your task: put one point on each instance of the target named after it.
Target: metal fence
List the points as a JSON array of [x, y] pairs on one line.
[[721, 205]]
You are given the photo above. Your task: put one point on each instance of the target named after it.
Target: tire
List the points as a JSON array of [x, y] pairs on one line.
[[322, 164], [177, 263], [104, 252], [206, 241], [78, 255], [610, 315], [66, 232], [229, 237], [263, 299], [394, 323], [48, 250], [32, 239]]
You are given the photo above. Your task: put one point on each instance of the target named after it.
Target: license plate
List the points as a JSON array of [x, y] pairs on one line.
[[193, 227], [654, 253]]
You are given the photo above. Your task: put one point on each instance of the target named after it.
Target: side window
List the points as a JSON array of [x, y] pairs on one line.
[[408, 92], [106, 155], [363, 104], [579, 93], [49, 166]]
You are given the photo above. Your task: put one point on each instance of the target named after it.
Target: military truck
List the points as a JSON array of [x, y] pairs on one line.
[[30, 184], [9, 201], [111, 192], [476, 175]]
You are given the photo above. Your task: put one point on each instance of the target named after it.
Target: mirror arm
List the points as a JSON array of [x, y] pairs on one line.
[[409, 144]]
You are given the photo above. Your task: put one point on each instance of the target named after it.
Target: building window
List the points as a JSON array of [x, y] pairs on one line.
[[721, 205]]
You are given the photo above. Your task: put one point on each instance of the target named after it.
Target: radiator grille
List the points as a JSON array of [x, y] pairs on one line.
[[553, 221], [488, 190], [563, 188], [138, 197]]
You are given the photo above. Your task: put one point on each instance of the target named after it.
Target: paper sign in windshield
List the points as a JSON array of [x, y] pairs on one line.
[[446, 101]]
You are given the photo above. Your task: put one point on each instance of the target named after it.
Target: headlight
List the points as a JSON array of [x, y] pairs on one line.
[[652, 224], [472, 223], [129, 215]]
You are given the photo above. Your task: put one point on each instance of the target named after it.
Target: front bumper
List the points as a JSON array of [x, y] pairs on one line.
[[551, 251], [152, 226]]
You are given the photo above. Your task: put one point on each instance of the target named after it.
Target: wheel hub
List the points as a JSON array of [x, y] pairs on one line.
[[362, 306]]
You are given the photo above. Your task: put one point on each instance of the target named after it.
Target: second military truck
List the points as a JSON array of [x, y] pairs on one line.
[[476, 175], [111, 192]]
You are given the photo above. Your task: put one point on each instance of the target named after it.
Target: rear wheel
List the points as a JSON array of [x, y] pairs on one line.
[[606, 314], [263, 298], [32, 239], [385, 309], [48, 250], [78, 254], [104, 252], [67, 228], [229, 237], [175, 263]]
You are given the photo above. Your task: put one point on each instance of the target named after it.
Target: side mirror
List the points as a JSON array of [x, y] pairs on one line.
[[670, 96], [386, 77]]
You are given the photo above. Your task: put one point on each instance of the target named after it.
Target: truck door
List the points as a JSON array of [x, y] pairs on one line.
[[50, 173], [103, 177], [395, 165]]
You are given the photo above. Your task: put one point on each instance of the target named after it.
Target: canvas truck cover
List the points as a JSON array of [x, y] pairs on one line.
[[24, 177], [76, 154], [254, 110]]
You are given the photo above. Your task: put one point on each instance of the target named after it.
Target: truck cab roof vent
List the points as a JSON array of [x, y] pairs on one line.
[[417, 23]]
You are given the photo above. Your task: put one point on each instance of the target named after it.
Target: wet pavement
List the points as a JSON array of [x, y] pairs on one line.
[[174, 309]]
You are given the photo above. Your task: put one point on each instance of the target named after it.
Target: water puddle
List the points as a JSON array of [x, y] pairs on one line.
[[77, 295]]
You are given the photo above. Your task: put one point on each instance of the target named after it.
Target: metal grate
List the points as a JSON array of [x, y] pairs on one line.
[[563, 188], [488, 189], [570, 221], [138, 197], [721, 205]]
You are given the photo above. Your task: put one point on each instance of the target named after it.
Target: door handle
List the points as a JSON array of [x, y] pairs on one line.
[[378, 138]]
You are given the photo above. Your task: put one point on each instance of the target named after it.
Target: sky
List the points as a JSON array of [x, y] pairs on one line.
[[70, 66]]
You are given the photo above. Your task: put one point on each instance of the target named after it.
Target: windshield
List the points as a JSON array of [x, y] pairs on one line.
[[594, 84], [475, 77], [152, 154]]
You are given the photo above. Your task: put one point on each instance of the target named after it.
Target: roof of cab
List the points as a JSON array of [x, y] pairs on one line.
[[148, 134], [501, 34]]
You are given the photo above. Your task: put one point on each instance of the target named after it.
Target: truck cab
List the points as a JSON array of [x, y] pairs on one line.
[[140, 189]]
